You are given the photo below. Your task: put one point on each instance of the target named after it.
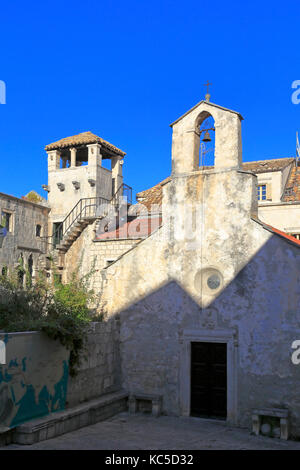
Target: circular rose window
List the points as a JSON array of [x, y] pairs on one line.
[[214, 281], [208, 281]]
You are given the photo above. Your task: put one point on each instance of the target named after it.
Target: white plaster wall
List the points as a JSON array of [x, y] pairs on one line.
[[62, 202], [275, 178], [284, 216]]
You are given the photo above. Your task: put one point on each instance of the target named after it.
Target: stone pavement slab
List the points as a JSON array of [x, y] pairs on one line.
[[145, 432]]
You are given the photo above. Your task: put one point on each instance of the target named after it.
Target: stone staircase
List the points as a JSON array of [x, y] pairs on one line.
[[73, 233], [86, 212]]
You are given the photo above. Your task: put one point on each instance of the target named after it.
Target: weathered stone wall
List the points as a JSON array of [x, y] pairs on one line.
[[22, 238], [161, 292], [88, 254], [100, 370], [185, 141], [33, 380]]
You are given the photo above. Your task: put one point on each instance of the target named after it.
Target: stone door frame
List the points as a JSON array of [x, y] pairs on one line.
[[228, 336]]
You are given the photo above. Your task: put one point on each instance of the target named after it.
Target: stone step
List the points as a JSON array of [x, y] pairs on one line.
[[73, 233], [61, 422]]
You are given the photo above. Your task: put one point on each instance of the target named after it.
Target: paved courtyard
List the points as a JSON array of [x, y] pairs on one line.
[[136, 432]]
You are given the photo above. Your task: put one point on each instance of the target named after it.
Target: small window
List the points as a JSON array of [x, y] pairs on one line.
[[262, 192], [6, 221], [38, 230]]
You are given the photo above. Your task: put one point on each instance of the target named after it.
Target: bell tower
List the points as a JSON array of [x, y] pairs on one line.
[[186, 138], [201, 200]]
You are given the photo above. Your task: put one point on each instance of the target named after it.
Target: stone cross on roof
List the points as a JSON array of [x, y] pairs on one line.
[[207, 96]]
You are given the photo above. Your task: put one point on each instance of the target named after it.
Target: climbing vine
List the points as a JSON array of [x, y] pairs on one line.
[[62, 311]]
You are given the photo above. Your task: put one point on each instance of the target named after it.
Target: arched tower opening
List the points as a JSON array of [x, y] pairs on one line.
[[206, 129], [30, 270], [224, 137], [20, 271]]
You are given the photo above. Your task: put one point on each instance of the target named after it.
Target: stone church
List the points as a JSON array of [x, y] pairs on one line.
[[202, 272]]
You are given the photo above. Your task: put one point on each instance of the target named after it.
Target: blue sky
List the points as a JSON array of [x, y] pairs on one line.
[[126, 69]]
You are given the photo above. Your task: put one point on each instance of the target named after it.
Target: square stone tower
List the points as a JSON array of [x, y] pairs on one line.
[[75, 173]]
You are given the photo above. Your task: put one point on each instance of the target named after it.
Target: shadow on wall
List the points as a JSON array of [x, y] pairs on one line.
[[256, 315], [35, 381], [257, 311]]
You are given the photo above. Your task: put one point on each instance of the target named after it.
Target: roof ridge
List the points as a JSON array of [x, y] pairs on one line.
[[276, 231], [86, 137], [269, 159]]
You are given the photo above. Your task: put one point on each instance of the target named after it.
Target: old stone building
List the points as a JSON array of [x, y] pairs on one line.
[[24, 245], [202, 273], [208, 313]]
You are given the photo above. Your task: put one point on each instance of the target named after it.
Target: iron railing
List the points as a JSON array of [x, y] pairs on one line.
[[90, 207], [124, 192]]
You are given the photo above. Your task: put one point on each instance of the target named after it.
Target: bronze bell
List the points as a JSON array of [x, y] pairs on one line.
[[206, 137]]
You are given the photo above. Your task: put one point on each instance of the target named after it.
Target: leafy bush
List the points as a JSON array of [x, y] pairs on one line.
[[74, 295], [34, 197], [60, 310]]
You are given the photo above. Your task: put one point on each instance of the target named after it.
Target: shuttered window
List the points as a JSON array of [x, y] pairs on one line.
[[262, 192]]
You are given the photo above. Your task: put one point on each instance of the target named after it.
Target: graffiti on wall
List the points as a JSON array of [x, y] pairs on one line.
[[28, 390]]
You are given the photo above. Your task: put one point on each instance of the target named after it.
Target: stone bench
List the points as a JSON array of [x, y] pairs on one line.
[[135, 398], [61, 422], [281, 414]]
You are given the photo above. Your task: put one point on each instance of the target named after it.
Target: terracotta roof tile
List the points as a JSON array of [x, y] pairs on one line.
[[292, 187], [137, 228], [153, 195], [79, 139], [264, 166], [272, 229]]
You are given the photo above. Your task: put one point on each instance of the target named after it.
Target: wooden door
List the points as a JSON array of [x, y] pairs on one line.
[[209, 380]]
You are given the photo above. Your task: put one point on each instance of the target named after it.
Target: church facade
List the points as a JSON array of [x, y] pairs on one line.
[[202, 273]]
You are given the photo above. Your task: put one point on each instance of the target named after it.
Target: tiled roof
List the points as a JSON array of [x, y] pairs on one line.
[[292, 186], [264, 166], [135, 229], [79, 139], [153, 195], [282, 234]]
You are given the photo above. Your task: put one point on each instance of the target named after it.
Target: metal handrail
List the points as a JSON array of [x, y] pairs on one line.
[[81, 208], [126, 191]]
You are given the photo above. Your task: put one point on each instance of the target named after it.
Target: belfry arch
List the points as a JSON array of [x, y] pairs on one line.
[[206, 130], [186, 138]]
